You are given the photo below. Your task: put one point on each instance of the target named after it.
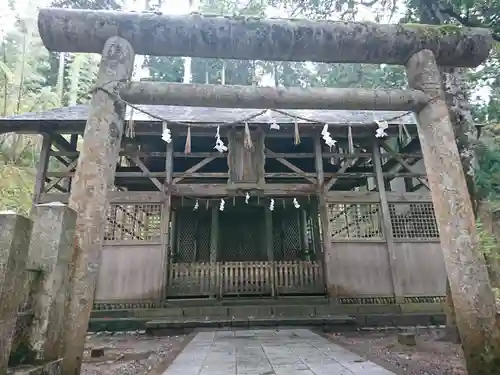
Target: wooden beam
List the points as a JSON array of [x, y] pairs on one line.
[[234, 96], [294, 168], [273, 155], [128, 197], [224, 190], [194, 168], [145, 169], [243, 38]]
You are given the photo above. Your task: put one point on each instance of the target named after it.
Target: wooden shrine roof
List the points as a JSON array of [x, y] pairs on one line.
[[70, 118]]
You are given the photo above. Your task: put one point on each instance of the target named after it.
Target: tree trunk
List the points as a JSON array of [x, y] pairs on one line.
[[260, 39], [232, 96]]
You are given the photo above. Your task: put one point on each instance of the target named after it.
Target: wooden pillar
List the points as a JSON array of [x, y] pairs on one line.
[[41, 170], [268, 240], [327, 255], [167, 229], [74, 146], [302, 219], [214, 244], [386, 220], [314, 212], [93, 178], [465, 264]]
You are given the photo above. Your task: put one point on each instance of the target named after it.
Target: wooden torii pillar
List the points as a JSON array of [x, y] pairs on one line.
[[418, 47]]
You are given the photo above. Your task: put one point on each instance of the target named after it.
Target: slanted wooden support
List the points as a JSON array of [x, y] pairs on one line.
[[214, 244], [465, 264], [137, 161], [93, 179], [260, 39], [65, 173], [386, 220], [194, 168], [236, 96], [327, 255], [297, 170], [401, 161], [41, 170]]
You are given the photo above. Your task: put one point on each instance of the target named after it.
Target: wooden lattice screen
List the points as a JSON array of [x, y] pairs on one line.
[[193, 236], [355, 221], [133, 222], [413, 221], [286, 234], [241, 236]]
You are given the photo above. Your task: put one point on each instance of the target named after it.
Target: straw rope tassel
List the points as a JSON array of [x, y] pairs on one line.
[[248, 137], [296, 133], [187, 147]]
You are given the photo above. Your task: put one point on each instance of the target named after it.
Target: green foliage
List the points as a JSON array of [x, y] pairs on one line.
[[16, 188], [488, 171], [487, 241]]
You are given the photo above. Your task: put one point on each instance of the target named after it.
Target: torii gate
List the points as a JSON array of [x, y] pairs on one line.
[[118, 36]]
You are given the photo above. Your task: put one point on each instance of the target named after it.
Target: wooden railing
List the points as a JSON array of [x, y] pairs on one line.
[[245, 278], [299, 277], [189, 279]]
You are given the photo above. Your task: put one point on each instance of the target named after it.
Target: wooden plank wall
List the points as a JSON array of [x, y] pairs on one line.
[[133, 263], [359, 257]]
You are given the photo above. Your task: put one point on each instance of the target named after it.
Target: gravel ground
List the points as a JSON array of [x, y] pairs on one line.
[[130, 353], [429, 357]]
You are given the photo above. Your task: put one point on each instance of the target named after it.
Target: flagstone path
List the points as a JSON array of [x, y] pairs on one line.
[[268, 352]]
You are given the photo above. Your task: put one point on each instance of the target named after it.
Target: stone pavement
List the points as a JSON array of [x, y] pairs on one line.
[[268, 352]]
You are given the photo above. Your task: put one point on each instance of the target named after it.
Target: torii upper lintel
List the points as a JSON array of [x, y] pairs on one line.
[[65, 30]]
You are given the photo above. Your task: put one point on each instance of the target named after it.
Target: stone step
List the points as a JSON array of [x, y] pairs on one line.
[[271, 321]]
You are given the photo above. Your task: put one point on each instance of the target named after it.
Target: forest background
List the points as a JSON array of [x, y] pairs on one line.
[[32, 79]]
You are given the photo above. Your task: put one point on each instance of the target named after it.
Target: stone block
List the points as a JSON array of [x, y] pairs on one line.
[[50, 251], [49, 368], [294, 311], [15, 231], [96, 352], [407, 338], [249, 312]]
